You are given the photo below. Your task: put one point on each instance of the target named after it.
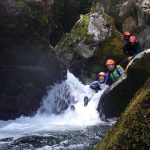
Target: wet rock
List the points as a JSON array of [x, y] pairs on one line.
[[132, 129], [117, 97], [26, 61]]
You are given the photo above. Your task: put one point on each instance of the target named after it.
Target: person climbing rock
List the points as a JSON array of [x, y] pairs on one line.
[[126, 36], [114, 72], [100, 84], [132, 48]]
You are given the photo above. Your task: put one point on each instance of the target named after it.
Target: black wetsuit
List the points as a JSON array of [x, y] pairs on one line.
[[132, 50]]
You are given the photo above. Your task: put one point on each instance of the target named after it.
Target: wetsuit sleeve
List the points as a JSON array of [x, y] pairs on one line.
[[95, 86], [138, 49]]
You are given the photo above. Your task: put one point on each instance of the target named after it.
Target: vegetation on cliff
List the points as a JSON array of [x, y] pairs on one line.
[[132, 129]]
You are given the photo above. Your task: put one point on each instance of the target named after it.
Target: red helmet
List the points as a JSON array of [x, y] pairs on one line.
[[110, 62], [132, 39], [102, 74], [126, 33]]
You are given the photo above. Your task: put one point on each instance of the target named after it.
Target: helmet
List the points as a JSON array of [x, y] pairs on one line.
[[110, 62], [126, 33], [102, 74], [132, 39]]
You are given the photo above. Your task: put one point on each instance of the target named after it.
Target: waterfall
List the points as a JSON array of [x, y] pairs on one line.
[[55, 112]]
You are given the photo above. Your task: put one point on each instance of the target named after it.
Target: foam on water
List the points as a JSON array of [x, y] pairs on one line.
[[67, 120]]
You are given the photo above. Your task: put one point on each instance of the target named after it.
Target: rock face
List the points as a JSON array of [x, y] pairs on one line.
[[24, 19], [26, 61], [92, 40], [110, 7], [114, 101], [136, 19], [132, 129], [99, 29]]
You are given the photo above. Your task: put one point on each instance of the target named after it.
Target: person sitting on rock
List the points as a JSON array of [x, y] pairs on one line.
[[114, 72], [100, 84], [126, 36], [132, 48]]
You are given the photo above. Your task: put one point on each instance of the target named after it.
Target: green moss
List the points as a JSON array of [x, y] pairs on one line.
[[109, 49], [78, 32], [112, 47], [88, 39], [132, 129]]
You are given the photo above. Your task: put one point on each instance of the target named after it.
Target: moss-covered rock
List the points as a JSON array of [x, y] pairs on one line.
[[132, 129], [109, 49], [78, 32], [92, 40]]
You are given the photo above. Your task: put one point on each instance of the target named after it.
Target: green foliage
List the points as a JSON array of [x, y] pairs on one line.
[[132, 129], [79, 31]]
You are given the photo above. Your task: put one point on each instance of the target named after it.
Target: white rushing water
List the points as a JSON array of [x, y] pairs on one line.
[[45, 120]]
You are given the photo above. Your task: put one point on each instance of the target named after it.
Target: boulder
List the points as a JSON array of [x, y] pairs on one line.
[[99, 30], [92, 40], [132, 129], [116, 98]]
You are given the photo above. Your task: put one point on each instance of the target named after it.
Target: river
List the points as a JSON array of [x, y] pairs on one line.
[[56, 126]]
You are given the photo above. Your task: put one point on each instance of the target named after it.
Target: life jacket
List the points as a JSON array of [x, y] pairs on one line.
[[115, 74]]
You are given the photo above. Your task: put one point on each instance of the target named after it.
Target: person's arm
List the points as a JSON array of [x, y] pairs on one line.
[[94, 85]]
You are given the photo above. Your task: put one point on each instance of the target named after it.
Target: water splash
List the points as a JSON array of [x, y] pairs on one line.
[[71, 91]]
